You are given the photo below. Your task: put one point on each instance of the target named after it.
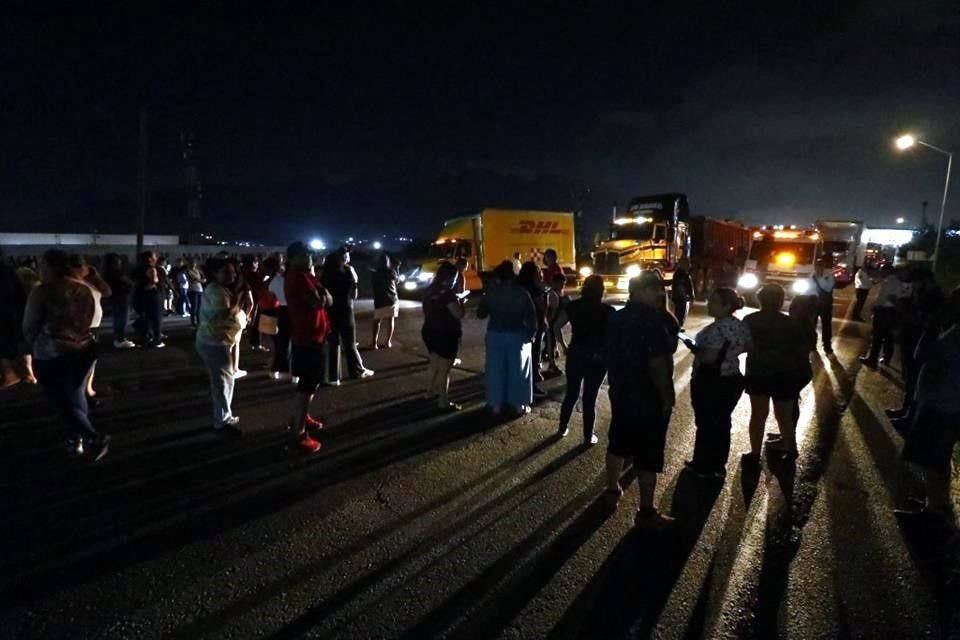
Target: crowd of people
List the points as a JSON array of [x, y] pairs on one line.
[[304, 313]]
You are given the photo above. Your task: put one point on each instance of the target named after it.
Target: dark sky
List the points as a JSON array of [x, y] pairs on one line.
[[331, 120]]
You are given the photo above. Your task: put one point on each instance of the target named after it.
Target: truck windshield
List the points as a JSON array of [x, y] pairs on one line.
[[632, 231], [450, 250], [782, 254]]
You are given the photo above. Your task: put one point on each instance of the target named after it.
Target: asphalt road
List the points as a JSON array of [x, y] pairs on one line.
[[413, 524]]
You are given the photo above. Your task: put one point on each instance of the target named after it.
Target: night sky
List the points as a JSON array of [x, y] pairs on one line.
[[367, 120]]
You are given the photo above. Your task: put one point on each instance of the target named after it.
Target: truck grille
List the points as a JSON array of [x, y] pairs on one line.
[[606, 263]]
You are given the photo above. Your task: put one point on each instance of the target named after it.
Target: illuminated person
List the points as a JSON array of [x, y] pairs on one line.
[[823, 285], [587, 355], [56, 322], [511, 329], [441, 332], [778, 367], [340, 280], [641, 341], [717, 384], [386, 303], [681, 291]]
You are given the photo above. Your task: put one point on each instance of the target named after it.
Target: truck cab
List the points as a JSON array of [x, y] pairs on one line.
[[784, 255]]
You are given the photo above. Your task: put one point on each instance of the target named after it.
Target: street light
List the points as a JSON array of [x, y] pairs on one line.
[[905, 142], [900, 220]]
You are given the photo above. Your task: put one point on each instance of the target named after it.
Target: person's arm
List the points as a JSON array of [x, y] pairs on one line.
[[660, 369], [319, 298], [33, 315], [95, 280]]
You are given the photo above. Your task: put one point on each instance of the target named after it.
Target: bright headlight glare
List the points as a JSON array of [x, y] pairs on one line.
[[410, 285], [586, 272], [748, 281], [800, 286], [425, 276], [634, 270]]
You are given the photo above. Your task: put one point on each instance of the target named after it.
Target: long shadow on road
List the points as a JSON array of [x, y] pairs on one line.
[[274, 480]]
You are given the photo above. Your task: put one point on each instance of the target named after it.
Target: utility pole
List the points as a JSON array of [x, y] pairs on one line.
[[923, 217], [142, 181]]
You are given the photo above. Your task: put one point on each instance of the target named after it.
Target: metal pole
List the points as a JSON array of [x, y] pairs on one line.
[[142, 181], [943, 205]]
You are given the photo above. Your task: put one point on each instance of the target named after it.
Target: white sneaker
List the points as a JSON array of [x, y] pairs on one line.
[[123, 344], [239, 373], [158, 345], [294, 379], [274, 375], [593, 439]]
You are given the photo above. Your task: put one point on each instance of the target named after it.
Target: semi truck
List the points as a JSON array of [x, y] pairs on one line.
[[785, 255], [652, 234], [483, 240], [843, 246]]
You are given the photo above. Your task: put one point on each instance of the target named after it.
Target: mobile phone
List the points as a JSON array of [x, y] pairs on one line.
[[686, 340]]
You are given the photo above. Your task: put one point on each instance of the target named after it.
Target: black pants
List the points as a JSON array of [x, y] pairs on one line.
[[586, 367], [254, 329], [150, 314], [858, 305], [345, 336], [884, 324], [281, 342], [680, 310], [825, 313], [714, 399], [536, 353]]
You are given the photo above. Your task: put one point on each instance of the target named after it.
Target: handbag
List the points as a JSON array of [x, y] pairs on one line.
[[268, 325]]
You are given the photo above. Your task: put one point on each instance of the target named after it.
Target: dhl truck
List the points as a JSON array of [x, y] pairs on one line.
[[653, 234], [485, 239], [785, 255]]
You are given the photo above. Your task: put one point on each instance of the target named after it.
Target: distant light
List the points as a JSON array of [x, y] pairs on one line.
[[905, 142], [317, 245], [800, 286], [586, 271], [748, 281], [785, 259], [377, 245], [623, 221], [410, 285], [901, 220], [634, 270]]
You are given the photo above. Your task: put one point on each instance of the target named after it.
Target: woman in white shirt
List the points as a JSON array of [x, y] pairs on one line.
[[80, 270], [281, 342], [717, 383]]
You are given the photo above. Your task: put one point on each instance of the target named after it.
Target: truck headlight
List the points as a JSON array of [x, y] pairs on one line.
[[425, 276], [748, 281], [800, 287], [633, 271], [410, 285], [586, 272]]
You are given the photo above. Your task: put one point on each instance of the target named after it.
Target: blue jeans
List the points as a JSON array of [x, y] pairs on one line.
[[194, 298], [182, 301], [64, 381], [586, 368], [509, 370], [219, 362]]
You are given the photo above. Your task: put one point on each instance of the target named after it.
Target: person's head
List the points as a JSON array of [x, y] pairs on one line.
[[249, 262], [550, 257], [503, 273], [112, 263], [646, 289], [298, 256], [270, 266], [558, 281], [148, 259], [516, 256], [530, 275], [684, 264], [56, 265], [383, 262], [592, 289], [78, 266], [723, 302], [223, 272], [343, 254], [770, 297], [446, 276]]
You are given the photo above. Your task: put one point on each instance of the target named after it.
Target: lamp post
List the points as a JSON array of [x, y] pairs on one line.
[[905, 142]]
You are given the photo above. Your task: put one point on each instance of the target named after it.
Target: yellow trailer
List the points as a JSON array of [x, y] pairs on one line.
[[487, 238]]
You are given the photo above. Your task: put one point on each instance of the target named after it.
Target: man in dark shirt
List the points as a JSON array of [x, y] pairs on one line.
[[641, 341], [681, 291]]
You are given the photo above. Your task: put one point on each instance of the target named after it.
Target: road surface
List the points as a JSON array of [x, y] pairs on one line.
[[413, 524]]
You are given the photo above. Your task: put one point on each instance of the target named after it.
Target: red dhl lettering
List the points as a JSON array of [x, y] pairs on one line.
[[540, 227]]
